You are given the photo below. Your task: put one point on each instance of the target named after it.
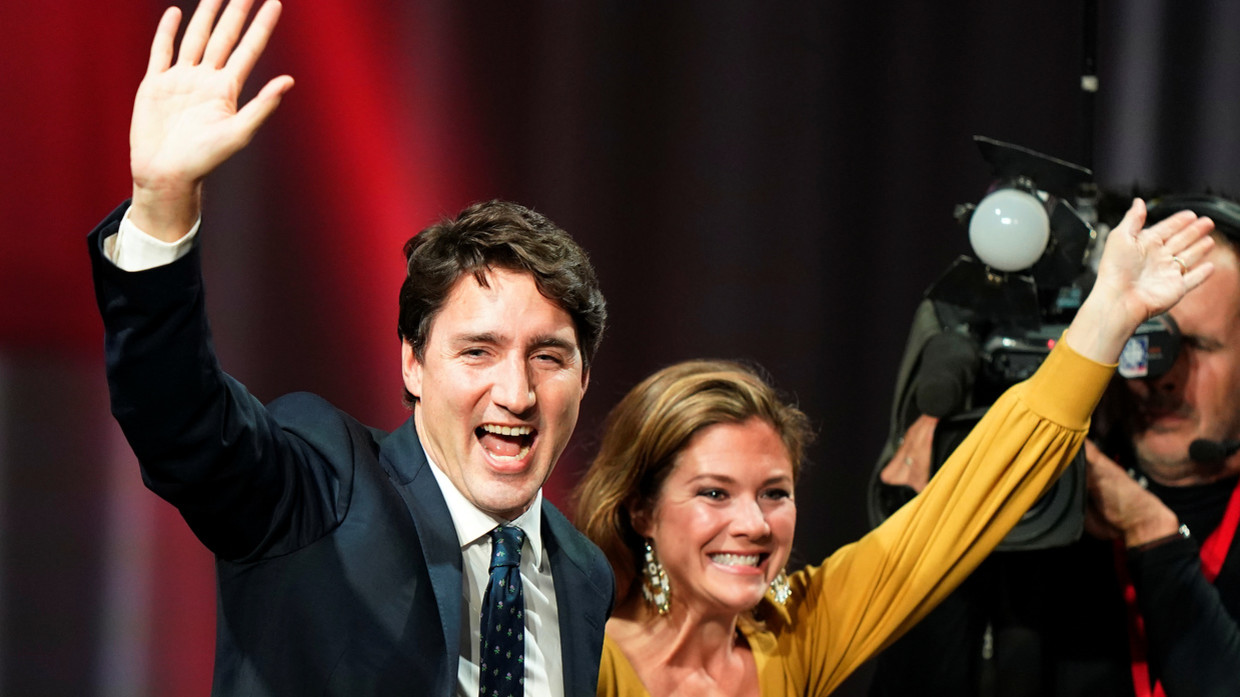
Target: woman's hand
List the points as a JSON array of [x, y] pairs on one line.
[[1142, 273], [186, 120]]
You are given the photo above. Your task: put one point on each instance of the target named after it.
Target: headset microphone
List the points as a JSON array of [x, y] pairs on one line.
[[1212, 452]]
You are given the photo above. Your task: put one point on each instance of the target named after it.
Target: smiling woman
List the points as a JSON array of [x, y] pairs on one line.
[[691, 499], [704, 415], [724, 518]]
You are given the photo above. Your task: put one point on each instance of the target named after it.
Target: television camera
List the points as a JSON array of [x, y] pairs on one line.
[[991, 319]]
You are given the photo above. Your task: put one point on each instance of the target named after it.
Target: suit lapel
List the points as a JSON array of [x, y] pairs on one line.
[[406, 464], [583, 598], [581, 603]]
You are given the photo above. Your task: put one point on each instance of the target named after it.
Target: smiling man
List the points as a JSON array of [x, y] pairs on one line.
[[352, 561], [497, 380]]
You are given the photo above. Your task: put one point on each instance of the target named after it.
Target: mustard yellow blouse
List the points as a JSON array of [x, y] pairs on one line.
[[869, 592]]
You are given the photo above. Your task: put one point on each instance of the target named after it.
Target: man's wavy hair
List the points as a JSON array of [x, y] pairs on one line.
[[498, 235]]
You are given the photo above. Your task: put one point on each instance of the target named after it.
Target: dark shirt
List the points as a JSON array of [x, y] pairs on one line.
[[1199, 507]]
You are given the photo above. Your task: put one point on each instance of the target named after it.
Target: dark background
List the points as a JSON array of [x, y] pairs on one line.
[[765, 181]]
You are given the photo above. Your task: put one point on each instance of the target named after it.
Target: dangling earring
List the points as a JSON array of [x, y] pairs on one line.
[[654, 582], [780, 591]]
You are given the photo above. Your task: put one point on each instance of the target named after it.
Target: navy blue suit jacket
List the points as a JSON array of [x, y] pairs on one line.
[[338, 565]]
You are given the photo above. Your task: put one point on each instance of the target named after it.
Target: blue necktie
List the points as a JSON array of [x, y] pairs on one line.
[[502, 663]]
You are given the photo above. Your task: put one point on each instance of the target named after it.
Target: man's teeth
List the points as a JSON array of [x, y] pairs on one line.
[[517, 457], [508, 430], [512, 432], [525, 450], [735, 559]]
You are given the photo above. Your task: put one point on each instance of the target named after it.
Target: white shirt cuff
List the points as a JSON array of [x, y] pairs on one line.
[[131, 249]]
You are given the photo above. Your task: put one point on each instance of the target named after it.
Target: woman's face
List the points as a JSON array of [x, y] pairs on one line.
[[723, 521]]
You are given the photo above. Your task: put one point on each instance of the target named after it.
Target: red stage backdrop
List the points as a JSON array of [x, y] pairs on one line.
[[372, 144]]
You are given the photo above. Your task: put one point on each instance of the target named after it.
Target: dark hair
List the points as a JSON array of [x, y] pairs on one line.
[[649, 427], [504, 235]]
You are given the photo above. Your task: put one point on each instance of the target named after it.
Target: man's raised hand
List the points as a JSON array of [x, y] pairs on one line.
[[186, 120]]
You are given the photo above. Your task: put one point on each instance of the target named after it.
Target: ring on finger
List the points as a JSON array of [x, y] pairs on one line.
[[1182, 263]]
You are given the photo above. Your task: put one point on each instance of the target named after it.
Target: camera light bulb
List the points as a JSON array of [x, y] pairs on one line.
[[1009, 230]]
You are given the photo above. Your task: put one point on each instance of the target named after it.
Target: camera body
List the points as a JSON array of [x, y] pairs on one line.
[[999, 356], [981, 329]]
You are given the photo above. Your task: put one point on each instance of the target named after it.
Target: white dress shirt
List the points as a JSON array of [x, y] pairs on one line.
[[543, 672], [131, 249]]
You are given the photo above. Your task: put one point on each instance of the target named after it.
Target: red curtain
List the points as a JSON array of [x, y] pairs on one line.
[[371, 145]]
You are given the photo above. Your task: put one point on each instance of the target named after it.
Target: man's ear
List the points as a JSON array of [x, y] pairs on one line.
[[411, 369], [585, 381]]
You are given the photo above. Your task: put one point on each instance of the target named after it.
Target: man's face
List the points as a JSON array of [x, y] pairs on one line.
[[1200, 396], [497, 390]]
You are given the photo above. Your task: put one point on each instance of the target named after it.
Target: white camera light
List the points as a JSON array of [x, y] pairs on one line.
[[1009, 230]]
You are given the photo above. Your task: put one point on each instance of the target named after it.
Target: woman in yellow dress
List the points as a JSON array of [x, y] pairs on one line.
[[692, 499]]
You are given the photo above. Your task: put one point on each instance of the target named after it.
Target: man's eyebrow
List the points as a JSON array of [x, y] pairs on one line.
[[479, 338], [1202, 341], [494, 339], [553, 342]]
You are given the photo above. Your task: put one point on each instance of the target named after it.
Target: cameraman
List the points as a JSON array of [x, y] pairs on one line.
[[1056, 621]]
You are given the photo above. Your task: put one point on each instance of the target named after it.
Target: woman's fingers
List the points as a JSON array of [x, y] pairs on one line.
[[1183, 239], [1173, 226], [1134, 218]]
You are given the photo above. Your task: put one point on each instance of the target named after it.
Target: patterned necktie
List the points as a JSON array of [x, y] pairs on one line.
[[502, 663]]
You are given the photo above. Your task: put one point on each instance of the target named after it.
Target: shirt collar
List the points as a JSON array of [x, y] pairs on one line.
[[472, 523]]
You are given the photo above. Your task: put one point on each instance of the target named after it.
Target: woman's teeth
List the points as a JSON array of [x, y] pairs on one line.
[[735, 559]]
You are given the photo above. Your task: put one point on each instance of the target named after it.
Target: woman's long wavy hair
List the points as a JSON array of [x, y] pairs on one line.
[[647, 430]]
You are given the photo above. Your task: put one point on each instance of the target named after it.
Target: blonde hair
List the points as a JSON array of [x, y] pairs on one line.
[[647, 430]]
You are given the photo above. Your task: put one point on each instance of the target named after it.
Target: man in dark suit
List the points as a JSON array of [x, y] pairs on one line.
[[352, 561]]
